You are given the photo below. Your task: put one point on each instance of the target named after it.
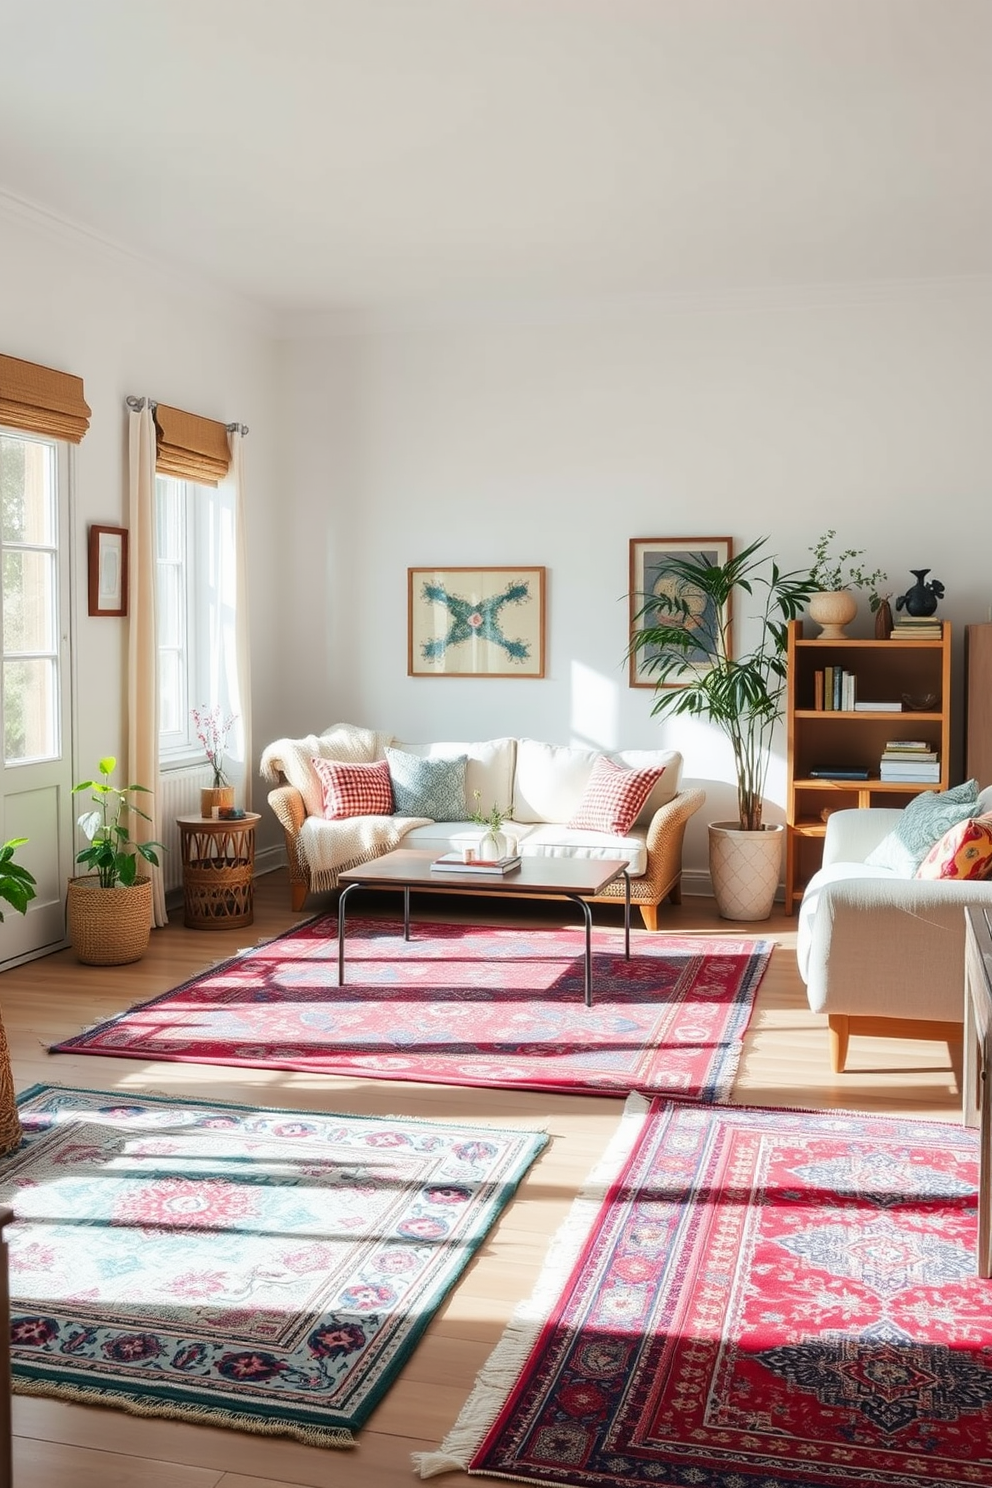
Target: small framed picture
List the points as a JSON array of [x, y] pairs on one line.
[[652, 573], [108, 571], [475, 622]]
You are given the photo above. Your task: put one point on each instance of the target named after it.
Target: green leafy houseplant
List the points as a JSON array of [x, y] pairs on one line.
[[493, 819], [743, 696], [17, 884], [831, 572], [111, 852]]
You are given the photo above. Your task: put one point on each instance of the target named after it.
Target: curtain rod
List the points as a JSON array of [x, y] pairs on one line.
[[136, 404]]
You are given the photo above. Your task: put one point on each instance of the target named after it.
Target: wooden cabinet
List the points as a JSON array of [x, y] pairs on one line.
[[978, 703], [853, 740]]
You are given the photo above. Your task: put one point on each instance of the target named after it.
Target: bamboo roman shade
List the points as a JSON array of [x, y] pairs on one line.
[[42, 400], [189, 447]]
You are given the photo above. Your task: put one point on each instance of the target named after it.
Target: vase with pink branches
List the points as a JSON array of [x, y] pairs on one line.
[[212, 728]]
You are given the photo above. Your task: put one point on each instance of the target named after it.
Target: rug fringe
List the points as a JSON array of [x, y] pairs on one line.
[[502, 1368], [138, 1405]]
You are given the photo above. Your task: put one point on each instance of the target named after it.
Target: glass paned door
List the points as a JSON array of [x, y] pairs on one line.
[[34, 683]]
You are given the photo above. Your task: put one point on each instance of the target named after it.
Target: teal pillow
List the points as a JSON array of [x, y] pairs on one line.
[[924, 821], [428, 787]]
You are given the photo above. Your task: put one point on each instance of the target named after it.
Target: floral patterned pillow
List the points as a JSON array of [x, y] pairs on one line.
[[964, 852]]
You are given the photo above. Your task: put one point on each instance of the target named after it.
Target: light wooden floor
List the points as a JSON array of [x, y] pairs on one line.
[[785, 1064]]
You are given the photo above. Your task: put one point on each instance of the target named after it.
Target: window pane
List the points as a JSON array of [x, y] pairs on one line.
[[171, 696], [30, 716], [171, 605], [27, 490], [169, 521], [28, 601]]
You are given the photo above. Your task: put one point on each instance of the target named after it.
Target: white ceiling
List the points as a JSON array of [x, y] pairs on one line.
[[317, 155]]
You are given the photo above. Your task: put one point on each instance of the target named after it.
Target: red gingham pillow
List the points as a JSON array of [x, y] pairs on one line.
[[354, 790], [613, 797]]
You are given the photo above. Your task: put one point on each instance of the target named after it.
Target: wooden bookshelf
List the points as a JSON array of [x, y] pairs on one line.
[[819, 738]]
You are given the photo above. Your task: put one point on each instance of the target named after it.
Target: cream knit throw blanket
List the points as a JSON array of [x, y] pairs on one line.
[[327, 848]]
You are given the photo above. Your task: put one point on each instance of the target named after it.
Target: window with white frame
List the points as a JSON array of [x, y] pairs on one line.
[[195, 554]]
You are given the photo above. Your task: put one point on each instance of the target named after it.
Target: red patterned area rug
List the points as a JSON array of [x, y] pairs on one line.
[[751, 1299], [460, 1005]]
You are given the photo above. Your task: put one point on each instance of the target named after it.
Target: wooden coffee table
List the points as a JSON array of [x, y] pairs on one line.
[[577, 879]]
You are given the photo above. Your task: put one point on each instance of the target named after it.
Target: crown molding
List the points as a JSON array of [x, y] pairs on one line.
[[32, 217], [521, 313]]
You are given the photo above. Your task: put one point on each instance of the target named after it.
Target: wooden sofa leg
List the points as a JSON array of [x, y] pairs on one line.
[[649, 914], [840, 1032], [297, 895], [675, 892]]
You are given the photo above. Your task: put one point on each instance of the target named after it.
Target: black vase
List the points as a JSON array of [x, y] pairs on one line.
[[921, 599]]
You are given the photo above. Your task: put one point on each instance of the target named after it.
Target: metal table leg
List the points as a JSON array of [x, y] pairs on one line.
[[341, 901], [587, 912], [626, 914]]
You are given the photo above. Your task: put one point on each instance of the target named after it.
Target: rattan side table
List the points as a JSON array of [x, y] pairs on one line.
[[218, 871]]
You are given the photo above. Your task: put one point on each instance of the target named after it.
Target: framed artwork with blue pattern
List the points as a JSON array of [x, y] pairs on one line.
[[476, 622], [657, 569]]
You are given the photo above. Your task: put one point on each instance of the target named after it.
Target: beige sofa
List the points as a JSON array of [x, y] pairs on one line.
[[883, 955], [543, 783]]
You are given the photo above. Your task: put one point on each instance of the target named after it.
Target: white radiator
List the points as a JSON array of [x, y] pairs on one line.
[[178, 795]]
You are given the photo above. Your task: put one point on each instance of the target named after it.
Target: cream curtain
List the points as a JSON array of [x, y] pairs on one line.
[[236, 477], [142, 670]]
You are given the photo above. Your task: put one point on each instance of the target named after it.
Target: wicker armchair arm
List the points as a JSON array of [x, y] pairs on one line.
[[287, 803], [666, 831]]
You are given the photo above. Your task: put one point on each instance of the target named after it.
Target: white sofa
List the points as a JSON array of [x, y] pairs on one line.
[[543, 783], [880, 954]]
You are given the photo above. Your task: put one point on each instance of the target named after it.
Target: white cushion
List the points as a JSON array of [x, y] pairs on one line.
[[551, 779], [441, 837], [488, 769], [551, 841]]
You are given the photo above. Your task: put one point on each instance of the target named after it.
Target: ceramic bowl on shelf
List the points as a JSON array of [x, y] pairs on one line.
[[924, 702]]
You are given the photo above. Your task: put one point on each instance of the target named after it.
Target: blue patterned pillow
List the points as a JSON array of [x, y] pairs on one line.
[[428, 787], [924, 821]]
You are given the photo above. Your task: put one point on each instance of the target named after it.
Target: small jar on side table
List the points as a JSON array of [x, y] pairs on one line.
[[218, 871]]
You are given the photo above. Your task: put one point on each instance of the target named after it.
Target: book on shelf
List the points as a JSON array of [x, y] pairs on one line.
[[453, 862], [913, 745], [838, 772], [834, 690], [917, 630], [910, 756], [888, 707], [909, 777]]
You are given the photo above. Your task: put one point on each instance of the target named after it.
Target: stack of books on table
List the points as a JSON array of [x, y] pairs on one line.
[[911, 761], [925, 628], [453, 862]]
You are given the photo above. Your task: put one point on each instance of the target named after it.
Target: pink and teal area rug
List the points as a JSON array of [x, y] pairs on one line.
[[751, 1299], [266, 1270], [462, 1005]]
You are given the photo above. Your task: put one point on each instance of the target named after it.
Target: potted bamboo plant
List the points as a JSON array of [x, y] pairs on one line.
[[744, 696], [109, 910]]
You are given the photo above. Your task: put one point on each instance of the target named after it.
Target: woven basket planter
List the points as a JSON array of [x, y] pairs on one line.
[[10, 1122], [108, 927]]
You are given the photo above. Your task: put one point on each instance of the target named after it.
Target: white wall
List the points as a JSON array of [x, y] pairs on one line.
[[125, 326], [555, 440]]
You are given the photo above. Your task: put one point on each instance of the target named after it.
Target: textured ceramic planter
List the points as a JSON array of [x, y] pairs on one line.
[[744, 869], [832, 611]]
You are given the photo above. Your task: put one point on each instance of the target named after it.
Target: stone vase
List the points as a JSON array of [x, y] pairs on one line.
[[493, 846], [833, 610]]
